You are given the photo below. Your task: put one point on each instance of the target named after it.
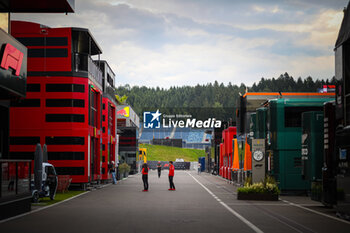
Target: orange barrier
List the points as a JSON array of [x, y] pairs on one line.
[[235, 165], [247, 157]]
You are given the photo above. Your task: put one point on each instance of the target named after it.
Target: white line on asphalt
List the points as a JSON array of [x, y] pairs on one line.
[[249, 224], [40, 209], [267, 204], [316, 212]]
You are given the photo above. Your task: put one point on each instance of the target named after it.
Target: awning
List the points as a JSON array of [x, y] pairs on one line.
[[37, 6], [344, 32]]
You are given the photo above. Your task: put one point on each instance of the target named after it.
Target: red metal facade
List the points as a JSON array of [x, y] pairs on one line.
[[63, 107], [108, 136], [226, 152]]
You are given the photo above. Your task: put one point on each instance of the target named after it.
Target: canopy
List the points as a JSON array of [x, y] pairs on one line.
[[36, 6], [344, 32]]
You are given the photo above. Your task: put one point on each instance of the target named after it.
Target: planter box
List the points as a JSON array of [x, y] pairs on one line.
[[257, 196]]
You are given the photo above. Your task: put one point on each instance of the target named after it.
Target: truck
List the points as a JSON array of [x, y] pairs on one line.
[[45, 179]]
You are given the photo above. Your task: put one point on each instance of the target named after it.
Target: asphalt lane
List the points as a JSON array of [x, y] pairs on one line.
[[201, 203]]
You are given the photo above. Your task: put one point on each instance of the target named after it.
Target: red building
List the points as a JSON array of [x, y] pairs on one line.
[[226, 152], [15, 192], [64, 103], [109, 140]]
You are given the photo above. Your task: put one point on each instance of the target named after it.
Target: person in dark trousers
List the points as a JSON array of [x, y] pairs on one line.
[[145, 177], [171, 176], [159, 167], [112, 169]]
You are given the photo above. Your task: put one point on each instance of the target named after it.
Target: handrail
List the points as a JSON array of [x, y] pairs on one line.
[[94, 71], [84, 62]]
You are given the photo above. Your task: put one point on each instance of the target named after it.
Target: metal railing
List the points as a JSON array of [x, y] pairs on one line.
[[94, 72], [84, 62]]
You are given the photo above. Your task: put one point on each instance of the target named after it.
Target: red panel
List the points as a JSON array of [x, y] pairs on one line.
[[30, 121], [227, 142], [221, 160], [28, 29], [232, 131]]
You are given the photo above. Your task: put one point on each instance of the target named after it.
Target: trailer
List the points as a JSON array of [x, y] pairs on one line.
[[284, 132], [342, 117]]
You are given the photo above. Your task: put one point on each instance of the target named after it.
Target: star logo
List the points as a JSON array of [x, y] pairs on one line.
[[151, 119], [156, 115]]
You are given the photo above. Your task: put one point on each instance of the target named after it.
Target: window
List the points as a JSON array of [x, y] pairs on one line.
[[50, 171], [26, 103], [65, 88], [65, 103], [110, 80], [66, 155], [22, 155], [65, 118], [24, 140], [93, 108], [43, 41], [111, 114], [292, 115], [47, 52], [74, 171], [33, 87], [65, 141]]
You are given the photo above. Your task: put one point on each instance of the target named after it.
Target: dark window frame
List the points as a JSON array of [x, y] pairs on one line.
[[26, 103], [61, 140], [33, 87], [78, 103], [48, 52], [65, 87]]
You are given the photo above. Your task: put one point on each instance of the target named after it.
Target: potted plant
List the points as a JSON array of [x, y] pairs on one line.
[[266, 190], [124, 170]]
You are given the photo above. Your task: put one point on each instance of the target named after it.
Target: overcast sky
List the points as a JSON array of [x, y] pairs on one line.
[[185, 42]]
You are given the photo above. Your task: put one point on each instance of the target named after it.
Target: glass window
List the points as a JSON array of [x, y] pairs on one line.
[[292, 115], [8, 179], [23, 185], [93, 108]]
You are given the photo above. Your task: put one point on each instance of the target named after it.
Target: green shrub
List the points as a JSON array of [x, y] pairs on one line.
[[248, 181], [269, 185], [124, 168]]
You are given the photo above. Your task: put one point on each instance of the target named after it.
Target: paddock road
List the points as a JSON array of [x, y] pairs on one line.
[[201, 203]]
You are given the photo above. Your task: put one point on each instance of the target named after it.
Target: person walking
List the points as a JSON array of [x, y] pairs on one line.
[[159, 167], [214, 169], [199, 168], [171, 176], [112, 171], [145, 177]]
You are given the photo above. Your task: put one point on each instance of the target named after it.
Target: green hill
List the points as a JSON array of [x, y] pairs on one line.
[[167, 153]]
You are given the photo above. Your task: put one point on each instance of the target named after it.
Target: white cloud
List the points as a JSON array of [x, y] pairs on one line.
[[172, 42]]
